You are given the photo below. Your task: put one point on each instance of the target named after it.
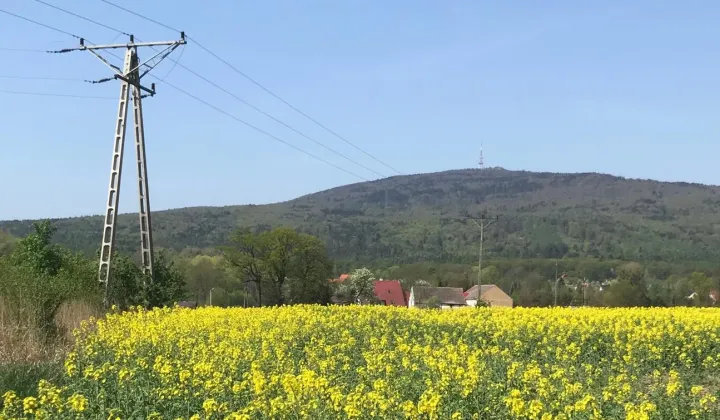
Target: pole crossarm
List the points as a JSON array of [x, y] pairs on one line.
[[132, 76], [130, 44], [150, 90]]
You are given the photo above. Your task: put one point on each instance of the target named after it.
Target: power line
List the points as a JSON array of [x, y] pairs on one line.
[[188, 94], [139, 15], [40, 24], [258, 84], [272, 136], [14, 92], [61, 79], [293, 107], [277, 120], [210, 82], [22, 50], [175, 63], [260, 130], [196, 74], [81, 17]]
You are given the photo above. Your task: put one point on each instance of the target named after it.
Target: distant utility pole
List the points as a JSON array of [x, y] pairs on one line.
[[482, 225], [129, 77], [557, 284]]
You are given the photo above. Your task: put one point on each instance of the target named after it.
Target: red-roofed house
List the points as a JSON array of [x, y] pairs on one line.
[[390, 292], [340, 279]]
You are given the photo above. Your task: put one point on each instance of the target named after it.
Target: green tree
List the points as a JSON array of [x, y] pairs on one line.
[[167, 286], [490, 275], [129, 286], [534, 290], [702, 285], [38, 277], [125, 285], [633, 273], [360, 286], [630, 288], [281, 245], [294, 265], [623, 293], [7, 243], [311, 270], [660, 292], [204, 272], [246, 257], [37, 252]]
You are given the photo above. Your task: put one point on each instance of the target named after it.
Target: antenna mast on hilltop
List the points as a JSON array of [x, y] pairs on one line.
[[129, 77], [481, 162]]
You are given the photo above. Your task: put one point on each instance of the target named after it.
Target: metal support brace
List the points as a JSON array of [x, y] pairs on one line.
[[146, 242], [108, 239]]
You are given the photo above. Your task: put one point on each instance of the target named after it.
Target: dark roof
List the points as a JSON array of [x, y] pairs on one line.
[[445, 295], [187, 304], [340, 300], [390, 292], [472, 293]]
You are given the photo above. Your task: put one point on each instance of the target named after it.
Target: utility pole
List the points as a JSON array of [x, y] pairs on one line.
[[211, 290], [482, 225], [129, 76], [557, 283]]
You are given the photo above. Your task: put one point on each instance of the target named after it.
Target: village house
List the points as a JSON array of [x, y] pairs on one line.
[[490, 294], [390, 292], [443, 297]]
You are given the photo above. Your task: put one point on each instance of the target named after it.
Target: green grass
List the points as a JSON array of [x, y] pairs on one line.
[[23, 378]]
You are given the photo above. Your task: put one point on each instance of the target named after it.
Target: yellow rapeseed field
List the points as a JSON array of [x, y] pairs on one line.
[[391, 363]]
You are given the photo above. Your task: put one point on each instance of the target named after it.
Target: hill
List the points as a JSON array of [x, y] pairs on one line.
[[412, 218]]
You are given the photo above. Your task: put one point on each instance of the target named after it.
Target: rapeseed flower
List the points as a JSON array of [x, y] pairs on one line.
[[383, 362]]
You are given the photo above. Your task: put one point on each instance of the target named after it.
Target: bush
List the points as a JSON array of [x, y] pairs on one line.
[[38, 277]]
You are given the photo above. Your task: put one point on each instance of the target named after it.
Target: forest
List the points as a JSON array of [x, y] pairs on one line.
[[586, 227], [422, 218]]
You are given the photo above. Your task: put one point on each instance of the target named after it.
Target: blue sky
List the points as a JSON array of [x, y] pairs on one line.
[[628, 88]]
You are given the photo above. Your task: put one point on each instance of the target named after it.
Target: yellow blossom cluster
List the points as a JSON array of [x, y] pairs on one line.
[[377, 362]]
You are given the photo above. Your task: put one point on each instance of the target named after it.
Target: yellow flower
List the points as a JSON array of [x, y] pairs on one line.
[[673, 384], [210, 406], [77, 402], [308, 361], [30, 405], [10, 399]]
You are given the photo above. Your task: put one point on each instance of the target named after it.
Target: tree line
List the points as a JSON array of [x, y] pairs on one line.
[[284, 266]]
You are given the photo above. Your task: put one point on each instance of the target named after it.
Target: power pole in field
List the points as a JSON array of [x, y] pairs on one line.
[[129, 76], [482, 224]]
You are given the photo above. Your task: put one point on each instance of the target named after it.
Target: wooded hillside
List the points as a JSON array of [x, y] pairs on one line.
[[411, 218]]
